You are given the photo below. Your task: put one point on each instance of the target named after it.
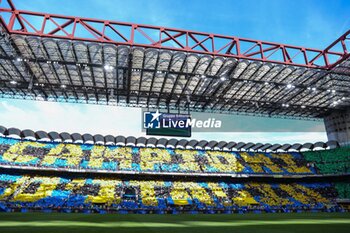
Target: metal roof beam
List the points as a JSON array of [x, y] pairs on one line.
[[172, 39]]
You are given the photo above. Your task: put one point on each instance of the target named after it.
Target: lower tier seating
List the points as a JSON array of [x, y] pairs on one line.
[[53, 192], [343, 189]]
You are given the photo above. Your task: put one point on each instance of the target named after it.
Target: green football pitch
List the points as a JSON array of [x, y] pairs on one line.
[[255, 223]]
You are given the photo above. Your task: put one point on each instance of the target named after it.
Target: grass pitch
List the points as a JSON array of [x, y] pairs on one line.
[[254, 223]]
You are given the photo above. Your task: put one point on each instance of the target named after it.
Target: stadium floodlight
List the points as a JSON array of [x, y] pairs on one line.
[[13, 82], [108, 67]]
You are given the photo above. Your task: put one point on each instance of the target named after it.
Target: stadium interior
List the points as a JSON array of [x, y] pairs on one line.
[[53, 57], [126, 177]]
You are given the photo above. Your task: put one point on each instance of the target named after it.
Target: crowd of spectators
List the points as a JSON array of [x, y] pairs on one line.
[[85, 193], [108, 194], [123, 158]]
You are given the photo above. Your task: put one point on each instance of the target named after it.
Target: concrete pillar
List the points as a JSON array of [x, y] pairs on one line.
[[338, 127]]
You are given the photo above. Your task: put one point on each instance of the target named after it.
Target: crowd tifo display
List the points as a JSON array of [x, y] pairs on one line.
[[24, 188], [159, 195], [122, 158]]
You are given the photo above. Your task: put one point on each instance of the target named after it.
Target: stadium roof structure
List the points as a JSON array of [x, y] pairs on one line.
[[80, 60], [172, 143]]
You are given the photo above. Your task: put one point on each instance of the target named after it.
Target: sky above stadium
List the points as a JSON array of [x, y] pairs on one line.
[[313, 24]]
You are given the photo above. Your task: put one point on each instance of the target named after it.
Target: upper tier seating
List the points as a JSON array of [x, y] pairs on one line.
[[122, 158], [330, 161]]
